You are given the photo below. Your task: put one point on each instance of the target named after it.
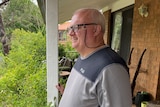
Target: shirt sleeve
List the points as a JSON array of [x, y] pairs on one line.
[[114, 89]]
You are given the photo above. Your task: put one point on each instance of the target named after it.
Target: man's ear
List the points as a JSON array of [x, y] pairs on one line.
[[97, 30]]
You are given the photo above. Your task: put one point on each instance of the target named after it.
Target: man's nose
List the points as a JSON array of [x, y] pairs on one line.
[[71, 32]]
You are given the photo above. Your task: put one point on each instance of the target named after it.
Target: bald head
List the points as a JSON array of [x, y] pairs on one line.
[[92, 15]]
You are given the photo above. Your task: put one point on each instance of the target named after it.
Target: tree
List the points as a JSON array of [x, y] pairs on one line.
[[19, 14], [22, 14]]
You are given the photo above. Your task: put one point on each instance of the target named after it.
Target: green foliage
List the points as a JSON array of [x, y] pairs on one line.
[[22, 14], [1, 48], [67, 51], [23, 71], [61, 50]]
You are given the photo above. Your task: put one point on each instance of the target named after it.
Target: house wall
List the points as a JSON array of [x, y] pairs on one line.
[[145, 35]]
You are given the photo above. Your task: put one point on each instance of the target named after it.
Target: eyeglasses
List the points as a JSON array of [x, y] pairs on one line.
[[75, 28]]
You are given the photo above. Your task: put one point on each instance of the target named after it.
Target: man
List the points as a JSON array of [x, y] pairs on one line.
[[100, 77]]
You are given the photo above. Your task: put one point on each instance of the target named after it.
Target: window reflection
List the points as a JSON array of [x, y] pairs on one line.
[[117, 26]]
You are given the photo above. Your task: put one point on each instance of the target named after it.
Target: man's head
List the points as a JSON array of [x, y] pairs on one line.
[[87, 30]]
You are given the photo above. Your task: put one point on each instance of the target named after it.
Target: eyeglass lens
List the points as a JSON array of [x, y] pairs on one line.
[[75, 28]]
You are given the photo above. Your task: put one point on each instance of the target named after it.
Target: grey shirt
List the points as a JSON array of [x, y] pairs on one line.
[[100, 80]]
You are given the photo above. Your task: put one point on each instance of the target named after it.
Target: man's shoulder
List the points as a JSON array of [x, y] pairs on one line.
[[92, 66]]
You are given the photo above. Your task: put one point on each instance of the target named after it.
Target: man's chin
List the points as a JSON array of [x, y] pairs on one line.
[[75, 46]]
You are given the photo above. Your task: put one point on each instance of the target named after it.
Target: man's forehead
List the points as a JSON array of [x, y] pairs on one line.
[[77, 20]]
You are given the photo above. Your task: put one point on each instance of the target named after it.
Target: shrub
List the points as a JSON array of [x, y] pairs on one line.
[[23, 71]]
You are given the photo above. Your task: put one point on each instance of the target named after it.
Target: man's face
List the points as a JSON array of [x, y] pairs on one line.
[[81, 32]]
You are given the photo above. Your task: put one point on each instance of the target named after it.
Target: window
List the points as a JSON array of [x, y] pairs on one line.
[[121, 31], [116, 37]]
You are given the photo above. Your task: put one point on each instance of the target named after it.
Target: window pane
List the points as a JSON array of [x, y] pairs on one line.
[[117, 26]]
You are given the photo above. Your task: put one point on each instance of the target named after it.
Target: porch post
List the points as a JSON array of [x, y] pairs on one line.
[[52, 50]]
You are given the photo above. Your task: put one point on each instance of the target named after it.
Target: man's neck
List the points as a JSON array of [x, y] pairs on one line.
[[89, 51]]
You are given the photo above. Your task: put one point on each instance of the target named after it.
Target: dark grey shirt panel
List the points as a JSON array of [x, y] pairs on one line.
[[93, 65]]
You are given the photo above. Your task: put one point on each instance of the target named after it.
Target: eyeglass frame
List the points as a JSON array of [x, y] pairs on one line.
[[76, 27]]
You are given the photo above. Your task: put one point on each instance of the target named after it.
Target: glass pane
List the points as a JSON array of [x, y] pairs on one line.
[[117, 26]]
